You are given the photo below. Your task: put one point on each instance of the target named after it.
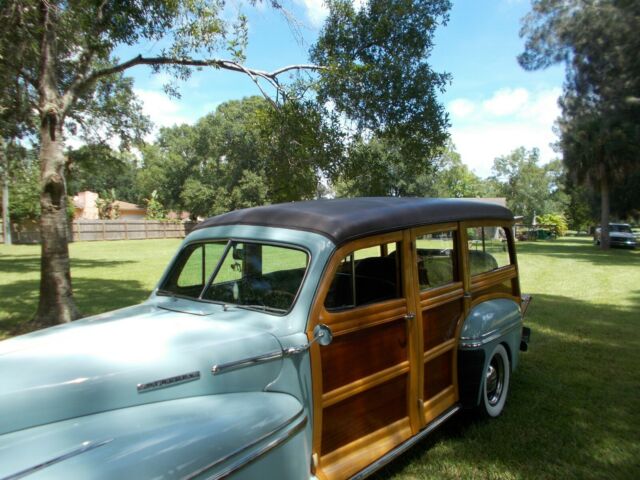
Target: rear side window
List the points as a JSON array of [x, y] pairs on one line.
[[436, 257], [488, 249], [366, 276]]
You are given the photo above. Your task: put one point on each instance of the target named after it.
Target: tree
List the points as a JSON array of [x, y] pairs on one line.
[[378, 79], [528, 187], [68, 71], [98, 168], [598, 43]]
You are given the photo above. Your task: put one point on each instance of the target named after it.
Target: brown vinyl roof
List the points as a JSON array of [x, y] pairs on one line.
[[346, 219]]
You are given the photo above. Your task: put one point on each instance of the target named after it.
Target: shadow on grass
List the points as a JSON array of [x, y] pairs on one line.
[[92, 295], [31, 263], [572, 410], [580, 250]]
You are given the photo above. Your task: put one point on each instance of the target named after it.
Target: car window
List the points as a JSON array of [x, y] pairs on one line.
[[488, 249], [366, 276], [252, 275], [620, 228], [436, 259], [193, 267]]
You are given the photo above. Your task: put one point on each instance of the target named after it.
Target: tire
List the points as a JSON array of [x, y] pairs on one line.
[[495, 383]]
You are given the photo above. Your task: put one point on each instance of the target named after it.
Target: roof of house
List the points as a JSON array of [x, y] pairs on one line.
[[129, 206], [346, 219]]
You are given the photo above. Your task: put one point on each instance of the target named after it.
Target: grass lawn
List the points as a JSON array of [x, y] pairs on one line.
[[106, 276], [574, 407]]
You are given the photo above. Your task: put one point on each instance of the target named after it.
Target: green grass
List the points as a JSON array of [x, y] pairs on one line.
[[574, 407], [106, 276]]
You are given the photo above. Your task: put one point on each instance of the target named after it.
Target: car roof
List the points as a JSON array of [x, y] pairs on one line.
[[345, 219]]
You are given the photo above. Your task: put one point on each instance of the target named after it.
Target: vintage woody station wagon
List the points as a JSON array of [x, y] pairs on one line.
[[304, 340]]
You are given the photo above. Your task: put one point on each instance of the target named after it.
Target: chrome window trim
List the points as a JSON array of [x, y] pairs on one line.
[[291, 427], [84, 447]]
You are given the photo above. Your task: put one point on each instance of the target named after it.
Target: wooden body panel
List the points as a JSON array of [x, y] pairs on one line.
[[392, 366]]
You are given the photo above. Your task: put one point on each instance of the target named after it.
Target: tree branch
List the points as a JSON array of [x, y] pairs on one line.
[[271, 77]]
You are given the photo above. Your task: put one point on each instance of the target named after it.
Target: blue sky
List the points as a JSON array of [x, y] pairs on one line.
[[494, 105]]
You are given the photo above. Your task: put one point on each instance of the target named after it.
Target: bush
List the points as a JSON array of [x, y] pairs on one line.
[[556, 221]]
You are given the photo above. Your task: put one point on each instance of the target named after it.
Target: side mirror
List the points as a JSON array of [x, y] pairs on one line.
[[322, 334]]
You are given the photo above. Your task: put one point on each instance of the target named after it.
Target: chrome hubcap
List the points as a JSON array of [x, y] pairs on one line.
[[494, 380]]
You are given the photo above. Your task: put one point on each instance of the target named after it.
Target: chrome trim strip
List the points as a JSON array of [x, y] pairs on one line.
[[294, 425], [403, 447], [168, 382], [85, 447], [246, 362], [468, 343]]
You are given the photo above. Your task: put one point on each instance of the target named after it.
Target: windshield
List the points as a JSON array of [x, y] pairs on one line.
[[252, 275], [620, 228]]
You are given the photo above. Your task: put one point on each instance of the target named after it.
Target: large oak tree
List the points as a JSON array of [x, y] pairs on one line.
[[373, 74]]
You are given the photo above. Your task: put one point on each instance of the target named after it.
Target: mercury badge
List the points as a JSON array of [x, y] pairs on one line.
[[168, 382]]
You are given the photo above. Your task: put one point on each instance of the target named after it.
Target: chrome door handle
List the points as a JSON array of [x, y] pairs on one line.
[[410, 316]]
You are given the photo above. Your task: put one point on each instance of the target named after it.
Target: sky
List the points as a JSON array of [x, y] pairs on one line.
[[494, 105]]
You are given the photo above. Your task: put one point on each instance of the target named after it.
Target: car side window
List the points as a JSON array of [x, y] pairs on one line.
[[488, 249], [436, 259], [199, 262], [366, 276]]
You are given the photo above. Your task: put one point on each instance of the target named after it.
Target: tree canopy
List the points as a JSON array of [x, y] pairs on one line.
[[598, 43]]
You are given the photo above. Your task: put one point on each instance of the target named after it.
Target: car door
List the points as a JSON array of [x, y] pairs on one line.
[[365, 381], [440, 304]]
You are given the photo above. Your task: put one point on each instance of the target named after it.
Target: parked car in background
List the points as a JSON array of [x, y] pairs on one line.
[[313, 340], [620, 235]]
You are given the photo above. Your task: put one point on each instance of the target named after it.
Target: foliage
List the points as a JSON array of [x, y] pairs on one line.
[[528, 187], [598, 43], [98, 168], [246, 153], [108, 209], [155, 210], [555, 220], [377, 74]]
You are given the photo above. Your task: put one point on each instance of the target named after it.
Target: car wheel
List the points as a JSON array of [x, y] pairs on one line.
[[495, 383]]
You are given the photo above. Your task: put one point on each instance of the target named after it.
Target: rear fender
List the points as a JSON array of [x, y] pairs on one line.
[[249, 435], [488, 323]]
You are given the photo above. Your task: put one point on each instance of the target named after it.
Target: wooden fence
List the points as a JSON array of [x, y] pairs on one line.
[[94, 230]]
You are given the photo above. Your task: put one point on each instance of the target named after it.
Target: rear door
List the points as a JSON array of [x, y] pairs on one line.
[[440, 308]]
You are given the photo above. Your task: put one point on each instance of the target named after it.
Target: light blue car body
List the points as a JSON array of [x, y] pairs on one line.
[[70, 406]]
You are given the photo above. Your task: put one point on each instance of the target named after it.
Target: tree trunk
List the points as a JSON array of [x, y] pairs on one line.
[[604, 208], [56, 294], [6, 220]]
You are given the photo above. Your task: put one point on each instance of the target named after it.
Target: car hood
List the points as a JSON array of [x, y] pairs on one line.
[[96, 364]]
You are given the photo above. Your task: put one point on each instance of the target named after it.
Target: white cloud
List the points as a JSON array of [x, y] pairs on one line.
[[461, 108], [164, 111], [317, 11], [488, 128], [506, 101]]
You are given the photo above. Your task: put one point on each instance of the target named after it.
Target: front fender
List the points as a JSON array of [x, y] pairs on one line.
[[198, 437]]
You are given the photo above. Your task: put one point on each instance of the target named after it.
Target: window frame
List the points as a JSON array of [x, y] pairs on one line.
[[229, 241]]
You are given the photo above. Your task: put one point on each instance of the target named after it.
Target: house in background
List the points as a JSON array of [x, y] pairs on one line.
[[86, 209]]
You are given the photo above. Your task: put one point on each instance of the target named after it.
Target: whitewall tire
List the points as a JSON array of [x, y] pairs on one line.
[[495, 382]]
